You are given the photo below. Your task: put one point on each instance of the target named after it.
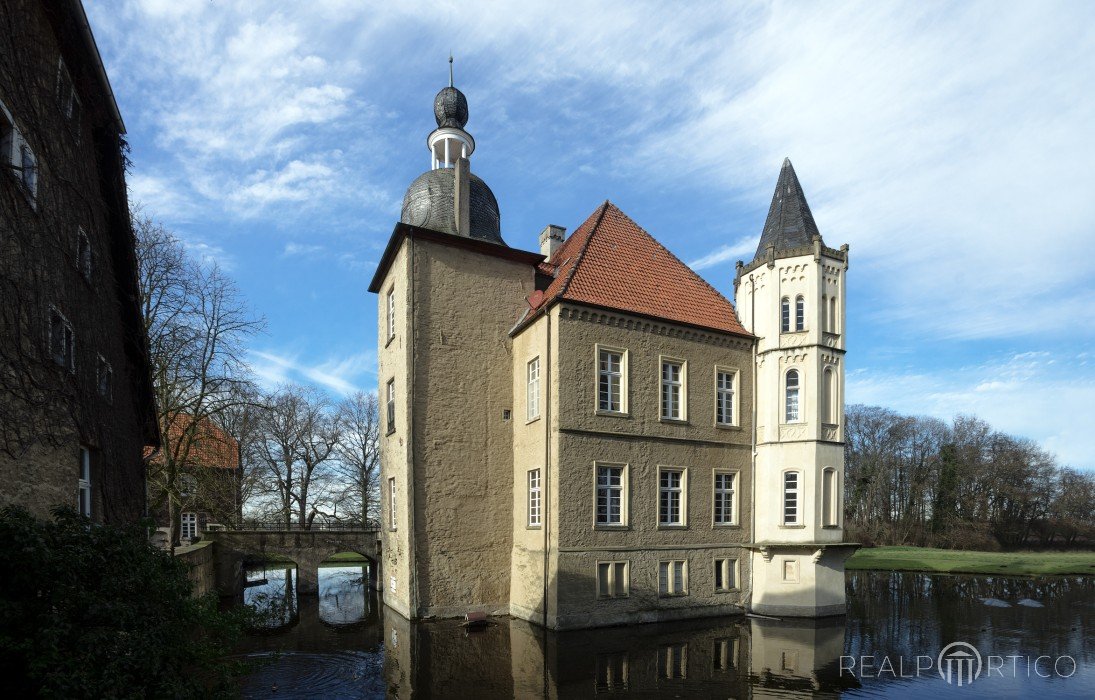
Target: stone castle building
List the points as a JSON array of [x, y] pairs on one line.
[[76, 406], [591, 434]]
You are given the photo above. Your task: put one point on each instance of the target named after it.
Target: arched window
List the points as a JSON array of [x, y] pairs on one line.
[[791, 413], [829, 502], [825, 312], [800, 313], [832, 315], [784, 315], [828, 398]]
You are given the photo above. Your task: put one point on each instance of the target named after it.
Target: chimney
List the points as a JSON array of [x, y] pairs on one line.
[[462, 196], [550, 239]]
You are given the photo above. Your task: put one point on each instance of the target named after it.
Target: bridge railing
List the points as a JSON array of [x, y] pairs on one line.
[[282, 526]]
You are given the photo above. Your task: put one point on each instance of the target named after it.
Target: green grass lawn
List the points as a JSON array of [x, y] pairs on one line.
[[949, 561]]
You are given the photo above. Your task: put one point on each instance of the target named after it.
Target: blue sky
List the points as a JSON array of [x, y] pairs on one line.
[[951, 145]]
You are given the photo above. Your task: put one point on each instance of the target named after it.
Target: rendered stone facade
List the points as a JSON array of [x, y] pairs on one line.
[[512, 485]]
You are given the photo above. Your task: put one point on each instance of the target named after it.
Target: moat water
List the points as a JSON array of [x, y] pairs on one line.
[[1035, 638]]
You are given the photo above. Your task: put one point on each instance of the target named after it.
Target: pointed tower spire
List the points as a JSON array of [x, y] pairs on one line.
[[790, 224], [450, 69]]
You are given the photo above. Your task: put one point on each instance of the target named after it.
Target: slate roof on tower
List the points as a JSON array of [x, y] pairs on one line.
[[790, 224], [611, 262]]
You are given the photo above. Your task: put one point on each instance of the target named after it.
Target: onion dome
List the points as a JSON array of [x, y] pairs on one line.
[[450, 108], [430, 203]]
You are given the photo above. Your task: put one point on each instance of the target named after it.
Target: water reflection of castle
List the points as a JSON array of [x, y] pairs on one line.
[[727, 657]]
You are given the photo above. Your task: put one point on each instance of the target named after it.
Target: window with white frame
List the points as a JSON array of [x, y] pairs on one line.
[[671, 500], [532, 392], [83, 253], [62, 341], [84, 483], [189, 529], [612, 672], [391, 313], [784, 315], [724, 511], [612, 579], [791, 498], [725, 381], [611, 494], [188, 485], [672, 390], [830, 503], [828, 397], [391, 406], [27, 165], [391, 503], [726, 654], [673, 661], [673, 577], [726, 575], [791, 412], [611, 373], [66, 93], [104, 379], [800, 313], [534, 500]]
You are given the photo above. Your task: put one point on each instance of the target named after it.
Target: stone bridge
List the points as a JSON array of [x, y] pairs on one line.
[[306, 548]]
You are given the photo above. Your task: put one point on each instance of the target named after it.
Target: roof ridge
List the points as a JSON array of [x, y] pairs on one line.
[[582, 251]]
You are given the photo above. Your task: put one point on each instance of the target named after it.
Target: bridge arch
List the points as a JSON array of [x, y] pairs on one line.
[[308, 548]]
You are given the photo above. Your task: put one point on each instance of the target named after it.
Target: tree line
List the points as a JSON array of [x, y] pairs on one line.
[[915, 480], [301, 455]]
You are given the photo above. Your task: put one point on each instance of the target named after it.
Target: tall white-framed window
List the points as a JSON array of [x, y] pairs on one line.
[[391, 504], [612, 579], [84, 483], [612, 672], [391, 406], [800, 313], [830, 499], [673, 577], [391, 313], [66, 93], [725, 390], [104, 379], [189, 526], [673, 661], [532, 392], [725, 492], [726, 575], [672, 497], [62, 341], [791, 412], [784, 315], [791, 504], [611, 495], [611, 380], [828, 396], [534, 498], [83, 253], [673, 397]]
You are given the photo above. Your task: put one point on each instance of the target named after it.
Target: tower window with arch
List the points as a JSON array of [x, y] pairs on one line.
[[785, 315], [825, 317], [800, 313], [791, 407], [832, 315], [828, 396]]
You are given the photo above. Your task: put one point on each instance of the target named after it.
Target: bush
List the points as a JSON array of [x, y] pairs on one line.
[[94, 611]]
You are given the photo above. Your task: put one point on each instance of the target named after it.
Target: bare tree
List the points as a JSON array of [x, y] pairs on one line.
[[358, 452], [296, 446], [197, 325]]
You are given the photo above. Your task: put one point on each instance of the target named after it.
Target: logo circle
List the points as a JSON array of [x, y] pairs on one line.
[[959, 663]]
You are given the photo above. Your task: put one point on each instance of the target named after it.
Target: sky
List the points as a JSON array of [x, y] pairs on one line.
[[952, 146]]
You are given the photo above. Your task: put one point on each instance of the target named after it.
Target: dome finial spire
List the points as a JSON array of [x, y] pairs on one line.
[[450, 68]]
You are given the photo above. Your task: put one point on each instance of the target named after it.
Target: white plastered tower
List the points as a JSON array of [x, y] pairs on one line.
[[792, 297]]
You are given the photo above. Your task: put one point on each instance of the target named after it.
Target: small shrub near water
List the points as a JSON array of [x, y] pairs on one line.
[[93, 611]]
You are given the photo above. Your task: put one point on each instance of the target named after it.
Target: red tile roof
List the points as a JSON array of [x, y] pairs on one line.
[[212, 445], [610, 261]]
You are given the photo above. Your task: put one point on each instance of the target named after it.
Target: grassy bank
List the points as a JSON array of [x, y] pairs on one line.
[[948, 561]]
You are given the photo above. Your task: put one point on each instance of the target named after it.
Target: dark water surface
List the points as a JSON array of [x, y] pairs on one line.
[[342, 644]]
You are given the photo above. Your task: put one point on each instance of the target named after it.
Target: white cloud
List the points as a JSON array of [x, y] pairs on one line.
[[343, 375], [742, 250]]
